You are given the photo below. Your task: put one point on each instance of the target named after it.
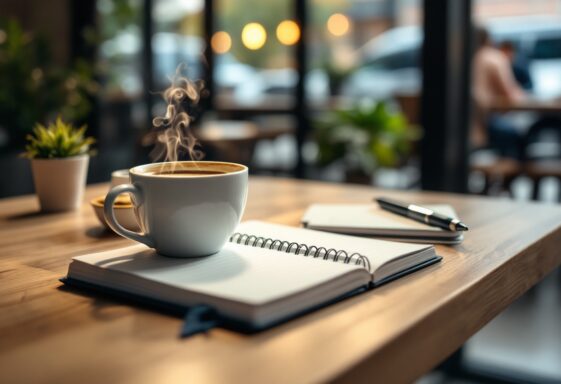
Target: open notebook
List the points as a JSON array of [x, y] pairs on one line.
[[371, 220], [267, 273]]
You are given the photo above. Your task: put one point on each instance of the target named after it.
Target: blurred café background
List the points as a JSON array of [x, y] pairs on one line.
[[377, 92]]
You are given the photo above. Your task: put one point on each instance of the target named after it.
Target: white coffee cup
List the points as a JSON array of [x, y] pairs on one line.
[[186, 208]]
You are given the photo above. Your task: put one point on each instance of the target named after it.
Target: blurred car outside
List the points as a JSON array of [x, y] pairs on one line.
[[391, 61], [170, 50], [389, 64]]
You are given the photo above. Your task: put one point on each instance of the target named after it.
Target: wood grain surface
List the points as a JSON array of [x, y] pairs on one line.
[[549, 107], [396, 333]]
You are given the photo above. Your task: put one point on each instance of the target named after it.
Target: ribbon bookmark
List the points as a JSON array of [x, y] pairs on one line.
[[199, 319]]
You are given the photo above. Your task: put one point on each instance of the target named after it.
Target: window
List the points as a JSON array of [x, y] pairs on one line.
[[408, 58], [548, 48]]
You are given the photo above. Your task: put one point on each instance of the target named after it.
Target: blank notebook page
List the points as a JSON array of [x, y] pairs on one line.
[[239, 273]]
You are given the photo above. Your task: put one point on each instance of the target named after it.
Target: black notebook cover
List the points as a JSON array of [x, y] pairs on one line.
[[202, 318]]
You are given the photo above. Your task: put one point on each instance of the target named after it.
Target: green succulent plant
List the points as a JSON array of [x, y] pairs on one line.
[[57, 140], [365, 137]]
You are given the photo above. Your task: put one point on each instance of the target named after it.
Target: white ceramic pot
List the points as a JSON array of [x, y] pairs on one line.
[[60, 183]]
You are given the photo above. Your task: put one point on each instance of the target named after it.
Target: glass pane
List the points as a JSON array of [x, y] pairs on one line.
[[119, 64], [362, 54], [524, 45], [121, 46], [178, 39], [364, 49], [254, 59], [529, 32], [255, 78]]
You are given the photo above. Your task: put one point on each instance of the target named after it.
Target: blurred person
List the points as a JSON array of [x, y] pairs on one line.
[[494, 83], [519, 64]]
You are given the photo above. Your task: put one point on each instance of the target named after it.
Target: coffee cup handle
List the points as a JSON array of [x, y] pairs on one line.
[[109, 213]]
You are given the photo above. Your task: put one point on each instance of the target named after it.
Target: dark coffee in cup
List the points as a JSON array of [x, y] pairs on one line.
[[192, 172], [192, 169]]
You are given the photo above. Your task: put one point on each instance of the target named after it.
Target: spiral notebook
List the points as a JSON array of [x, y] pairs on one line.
[[266, 273]]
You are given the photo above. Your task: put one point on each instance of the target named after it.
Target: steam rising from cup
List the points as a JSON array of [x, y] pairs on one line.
[[172, 136]]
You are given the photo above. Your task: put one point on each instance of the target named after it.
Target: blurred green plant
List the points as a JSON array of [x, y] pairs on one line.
[[33, 87], [365, 138], [57, 140]]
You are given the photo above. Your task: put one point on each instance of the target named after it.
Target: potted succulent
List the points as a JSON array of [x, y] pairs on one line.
[[59, 156], [364, 138]]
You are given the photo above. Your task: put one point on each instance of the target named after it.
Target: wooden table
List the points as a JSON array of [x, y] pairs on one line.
[[235, 140], [276, 104], [548, 107], [393, 334]]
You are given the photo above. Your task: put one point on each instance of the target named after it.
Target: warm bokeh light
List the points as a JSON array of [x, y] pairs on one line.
[[288, 32], [221, 42], [338, 24], [254, 36]]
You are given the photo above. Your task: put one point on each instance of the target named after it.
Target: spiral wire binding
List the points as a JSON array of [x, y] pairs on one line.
[[300, 249]]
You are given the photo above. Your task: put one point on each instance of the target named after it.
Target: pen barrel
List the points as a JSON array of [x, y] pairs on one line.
[[422, 214], [430, 217], [422, 217], [441, 221], [400, 210], [418, 213]]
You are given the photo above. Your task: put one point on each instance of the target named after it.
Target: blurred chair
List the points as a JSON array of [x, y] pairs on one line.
[[542, 153], [498, 172], [276, 151], [229, 140], [236, 140], [538, 170]]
